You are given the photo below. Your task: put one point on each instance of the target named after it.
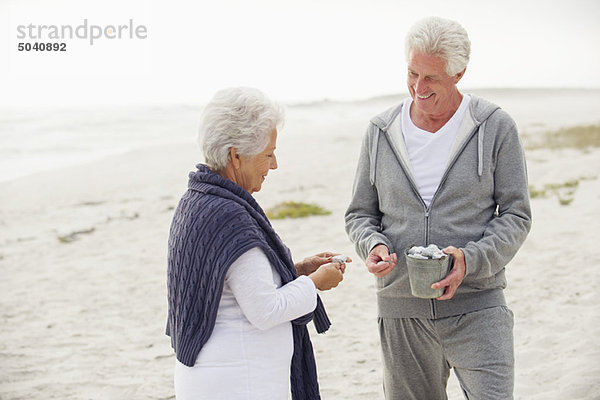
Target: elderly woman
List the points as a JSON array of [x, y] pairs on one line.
[[238, 306]]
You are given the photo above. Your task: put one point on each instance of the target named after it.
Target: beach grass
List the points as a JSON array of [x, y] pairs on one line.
[[576, 137], [72, 236], [292, 209], [564, 192]]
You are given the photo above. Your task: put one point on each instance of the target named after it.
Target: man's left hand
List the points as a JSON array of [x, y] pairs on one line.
[[453, 280]]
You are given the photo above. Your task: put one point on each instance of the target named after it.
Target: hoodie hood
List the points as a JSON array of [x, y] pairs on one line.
[[389, 123]]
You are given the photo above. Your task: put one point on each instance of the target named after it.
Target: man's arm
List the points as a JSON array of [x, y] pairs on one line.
[[505, 234], [363, 217]]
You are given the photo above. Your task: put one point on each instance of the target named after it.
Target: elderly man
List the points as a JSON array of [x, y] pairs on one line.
[[442, 168]]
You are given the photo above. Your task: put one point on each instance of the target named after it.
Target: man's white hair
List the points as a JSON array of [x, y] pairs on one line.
[[440, 37]]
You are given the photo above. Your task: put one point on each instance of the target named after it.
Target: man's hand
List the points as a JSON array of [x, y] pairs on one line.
[[456, 275], [376, 256]]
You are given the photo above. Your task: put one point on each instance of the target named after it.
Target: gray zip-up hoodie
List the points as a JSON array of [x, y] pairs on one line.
[[481, 207]]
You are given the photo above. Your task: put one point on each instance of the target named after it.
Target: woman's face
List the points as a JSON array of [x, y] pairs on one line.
[[254, 169]]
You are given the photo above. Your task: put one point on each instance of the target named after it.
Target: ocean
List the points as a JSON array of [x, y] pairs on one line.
[[34, 140], [39, 139]]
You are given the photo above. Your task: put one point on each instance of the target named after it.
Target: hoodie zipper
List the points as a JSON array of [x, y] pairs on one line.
[[427, 227], [431, 301]]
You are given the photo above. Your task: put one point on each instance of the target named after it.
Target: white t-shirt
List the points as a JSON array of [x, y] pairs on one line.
[[428, 152], [249, 353]]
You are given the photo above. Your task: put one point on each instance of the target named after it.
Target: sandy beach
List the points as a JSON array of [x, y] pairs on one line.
[[83, 260]]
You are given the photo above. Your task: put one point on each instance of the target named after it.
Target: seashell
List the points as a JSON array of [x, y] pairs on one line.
[[424, 253], [428, 252], [341, 259]]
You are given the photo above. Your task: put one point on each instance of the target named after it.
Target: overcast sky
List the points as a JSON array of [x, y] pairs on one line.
[[293, 50]]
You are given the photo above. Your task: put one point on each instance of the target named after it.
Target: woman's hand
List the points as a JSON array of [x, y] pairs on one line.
[[312, 263], [328, 276]]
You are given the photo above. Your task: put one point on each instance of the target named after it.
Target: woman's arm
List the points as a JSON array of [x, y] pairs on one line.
[[265, 305]]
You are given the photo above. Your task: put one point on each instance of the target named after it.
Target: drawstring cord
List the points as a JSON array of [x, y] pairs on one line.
[[480, 135]]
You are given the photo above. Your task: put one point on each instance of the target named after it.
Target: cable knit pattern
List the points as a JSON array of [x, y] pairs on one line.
[[216, 221]]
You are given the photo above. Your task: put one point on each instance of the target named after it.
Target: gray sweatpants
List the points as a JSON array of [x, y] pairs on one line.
[[418, 355]]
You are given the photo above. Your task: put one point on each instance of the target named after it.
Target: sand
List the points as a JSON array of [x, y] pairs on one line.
[[83, 263]]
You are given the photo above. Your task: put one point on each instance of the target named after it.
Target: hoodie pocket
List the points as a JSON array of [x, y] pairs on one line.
[[480, 284]]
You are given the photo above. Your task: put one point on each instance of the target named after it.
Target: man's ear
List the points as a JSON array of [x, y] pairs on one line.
[[459, 76], [234, 157]]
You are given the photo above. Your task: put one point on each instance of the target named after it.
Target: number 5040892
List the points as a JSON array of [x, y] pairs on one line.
[[42, 46]]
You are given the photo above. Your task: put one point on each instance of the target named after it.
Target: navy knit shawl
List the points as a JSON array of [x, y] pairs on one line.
[[216, 221]]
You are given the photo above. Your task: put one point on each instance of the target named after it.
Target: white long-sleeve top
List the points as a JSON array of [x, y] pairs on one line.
[[249, 352]]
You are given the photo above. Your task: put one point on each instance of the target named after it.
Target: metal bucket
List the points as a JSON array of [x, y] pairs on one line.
[[423, 273]]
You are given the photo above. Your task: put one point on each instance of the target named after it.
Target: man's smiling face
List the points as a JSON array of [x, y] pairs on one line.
[[433, 91]]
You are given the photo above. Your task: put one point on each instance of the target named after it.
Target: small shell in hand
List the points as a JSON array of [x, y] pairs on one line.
[[341, 259]]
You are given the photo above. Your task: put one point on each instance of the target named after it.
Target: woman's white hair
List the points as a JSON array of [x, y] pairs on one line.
[[440, 37], [238, 117]]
